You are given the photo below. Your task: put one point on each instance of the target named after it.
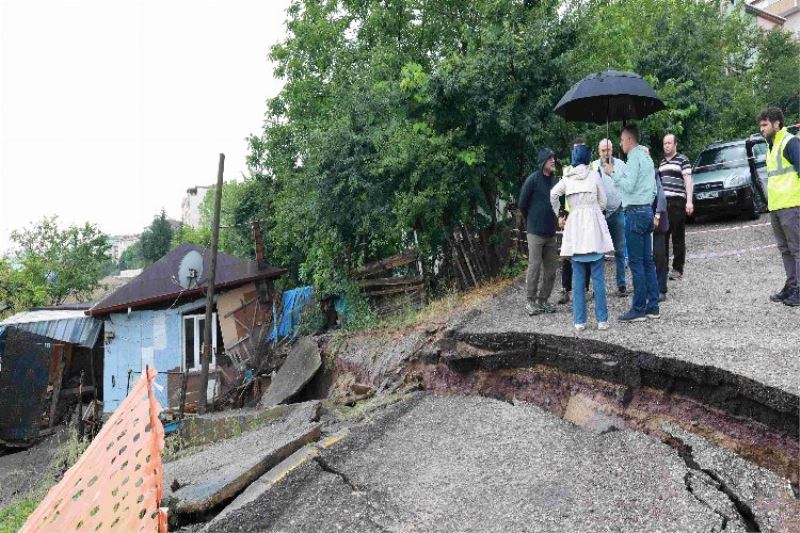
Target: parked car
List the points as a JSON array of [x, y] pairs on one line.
[[730, 178]]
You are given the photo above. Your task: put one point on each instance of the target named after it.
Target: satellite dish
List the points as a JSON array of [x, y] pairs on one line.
[[190, 270]]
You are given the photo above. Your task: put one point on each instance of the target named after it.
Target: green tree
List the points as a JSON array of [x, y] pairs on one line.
[[242, 204], [156, 239], [399, 119], [714, 69], [132, 257], [50, 264]]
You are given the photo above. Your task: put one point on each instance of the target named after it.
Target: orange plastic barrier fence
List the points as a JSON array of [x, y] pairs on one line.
[[117, 483]]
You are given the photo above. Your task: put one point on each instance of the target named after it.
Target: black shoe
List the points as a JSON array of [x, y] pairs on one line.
[[793, 300], [564, 297], [546, 307], [780, 296]]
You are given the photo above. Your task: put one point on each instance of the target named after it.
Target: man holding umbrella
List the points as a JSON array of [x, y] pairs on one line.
[[637, 183], [621, 96]]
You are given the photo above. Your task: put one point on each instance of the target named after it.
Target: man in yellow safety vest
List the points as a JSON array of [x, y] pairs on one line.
[[783, 198]]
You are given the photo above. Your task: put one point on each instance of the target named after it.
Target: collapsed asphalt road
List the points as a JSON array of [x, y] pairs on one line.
[[718, 315], [447, 464], [646, 427]]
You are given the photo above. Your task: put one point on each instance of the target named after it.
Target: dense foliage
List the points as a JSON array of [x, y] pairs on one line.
[[49, 264], [400, 118], [156, 239]]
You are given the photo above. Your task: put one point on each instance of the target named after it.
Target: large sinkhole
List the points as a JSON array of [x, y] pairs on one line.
[[603, 387]]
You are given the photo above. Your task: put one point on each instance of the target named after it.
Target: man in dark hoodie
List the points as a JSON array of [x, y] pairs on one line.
[[540, 224]]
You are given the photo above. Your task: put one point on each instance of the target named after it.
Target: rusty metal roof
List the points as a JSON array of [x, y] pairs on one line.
[[72, 326], [158, 283]]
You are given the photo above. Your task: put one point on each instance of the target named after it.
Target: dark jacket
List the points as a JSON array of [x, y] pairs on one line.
[[534, 199]]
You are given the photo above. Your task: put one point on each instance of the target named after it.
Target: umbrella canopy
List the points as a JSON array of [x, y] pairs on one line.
[[609, 96]]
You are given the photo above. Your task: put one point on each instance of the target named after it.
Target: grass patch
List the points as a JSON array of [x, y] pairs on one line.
[[14, 515]]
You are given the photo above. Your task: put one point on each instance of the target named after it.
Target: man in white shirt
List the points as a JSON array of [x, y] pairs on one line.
[[615, 216]]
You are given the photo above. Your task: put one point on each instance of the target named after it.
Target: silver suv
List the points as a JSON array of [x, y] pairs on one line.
[[730, 178]]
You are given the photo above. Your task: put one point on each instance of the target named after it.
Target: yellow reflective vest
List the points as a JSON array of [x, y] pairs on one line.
[[783, 185]]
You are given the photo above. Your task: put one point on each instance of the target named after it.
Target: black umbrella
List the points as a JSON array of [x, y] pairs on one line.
[[609, 96]]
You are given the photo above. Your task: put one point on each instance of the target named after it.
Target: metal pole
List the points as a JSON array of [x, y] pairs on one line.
[[206, 357], [184, 381]]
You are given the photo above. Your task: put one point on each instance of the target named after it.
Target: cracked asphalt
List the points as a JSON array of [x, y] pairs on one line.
[[450, 464], [719, 314]]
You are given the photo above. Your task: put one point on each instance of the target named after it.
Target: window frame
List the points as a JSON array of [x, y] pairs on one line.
[[198, 338]]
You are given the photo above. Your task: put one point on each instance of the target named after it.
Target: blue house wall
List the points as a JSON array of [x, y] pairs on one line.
[[141, 338]]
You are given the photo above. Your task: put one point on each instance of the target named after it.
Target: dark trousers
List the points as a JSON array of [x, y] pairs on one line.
[[676, 211], [786, 226], [661, 259]]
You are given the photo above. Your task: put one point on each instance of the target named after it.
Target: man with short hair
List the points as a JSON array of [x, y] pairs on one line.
[[540, 224], [675, 171], [783, 198], [615, 217], [637, 181]]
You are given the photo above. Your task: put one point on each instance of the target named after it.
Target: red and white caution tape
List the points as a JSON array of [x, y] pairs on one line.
[[734, 228], [730, 253]]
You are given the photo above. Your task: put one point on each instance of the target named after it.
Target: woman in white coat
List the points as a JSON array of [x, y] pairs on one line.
[[586, 238]]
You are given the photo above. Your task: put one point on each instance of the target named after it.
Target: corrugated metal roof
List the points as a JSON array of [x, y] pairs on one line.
[[72, 326]]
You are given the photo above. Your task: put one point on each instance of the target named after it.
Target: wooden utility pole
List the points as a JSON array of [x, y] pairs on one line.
[[206, 357]]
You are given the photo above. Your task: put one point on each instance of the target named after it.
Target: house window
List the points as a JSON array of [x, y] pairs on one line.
[[193, 332]]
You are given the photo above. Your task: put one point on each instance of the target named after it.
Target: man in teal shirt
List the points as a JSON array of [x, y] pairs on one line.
[[637, 182]]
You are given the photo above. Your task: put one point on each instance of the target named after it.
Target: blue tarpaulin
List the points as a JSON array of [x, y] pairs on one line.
[[292, 306]]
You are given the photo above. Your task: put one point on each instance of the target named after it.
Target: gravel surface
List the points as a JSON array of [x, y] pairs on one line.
[[24, 470], [766, 495], [719, 314], [447, 464]]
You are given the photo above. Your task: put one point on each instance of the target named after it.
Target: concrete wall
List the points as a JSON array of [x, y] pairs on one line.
[[141, 338], [190, 207]]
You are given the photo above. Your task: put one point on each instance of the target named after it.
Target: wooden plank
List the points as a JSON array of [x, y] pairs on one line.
[[397, 290], [403, 258], [244, 304], [59, 376], [466, 260], [390, 282], [454, 259], [240, 341], [73, 391], [473, 252]]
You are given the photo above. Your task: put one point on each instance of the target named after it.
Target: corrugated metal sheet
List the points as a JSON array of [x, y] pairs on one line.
[[24, 374], [73, 327]]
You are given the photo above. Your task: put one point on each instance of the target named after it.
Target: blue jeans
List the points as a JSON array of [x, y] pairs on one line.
[[579, 274], [616, 227], [639, 236]]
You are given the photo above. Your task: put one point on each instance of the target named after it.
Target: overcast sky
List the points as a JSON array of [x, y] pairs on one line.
[[110, 110]]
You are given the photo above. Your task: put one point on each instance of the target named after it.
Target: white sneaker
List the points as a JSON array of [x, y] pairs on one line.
[[580, 327], [602, 326]]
